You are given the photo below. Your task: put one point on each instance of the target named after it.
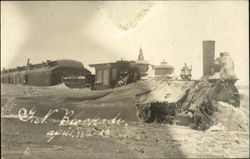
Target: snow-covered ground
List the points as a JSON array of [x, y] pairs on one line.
[[128, 139]]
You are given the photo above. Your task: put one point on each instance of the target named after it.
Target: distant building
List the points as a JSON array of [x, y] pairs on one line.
[[163, 69], [43, 74], [142, 64]]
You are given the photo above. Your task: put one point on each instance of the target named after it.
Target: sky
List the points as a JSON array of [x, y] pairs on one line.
[[97, 32]]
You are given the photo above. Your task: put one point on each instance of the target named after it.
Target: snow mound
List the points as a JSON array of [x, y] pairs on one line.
[[229, 118]]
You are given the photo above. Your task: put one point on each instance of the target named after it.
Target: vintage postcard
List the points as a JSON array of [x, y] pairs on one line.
[[124, 79]]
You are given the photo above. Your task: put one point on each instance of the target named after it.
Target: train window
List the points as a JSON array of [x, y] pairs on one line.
[[106, 77], [99, 74], [114, 74]]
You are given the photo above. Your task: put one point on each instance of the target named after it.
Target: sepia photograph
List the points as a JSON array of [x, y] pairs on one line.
[[124, 79]]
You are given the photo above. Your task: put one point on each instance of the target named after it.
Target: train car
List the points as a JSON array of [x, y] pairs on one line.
[[47, 73], [110, 75]]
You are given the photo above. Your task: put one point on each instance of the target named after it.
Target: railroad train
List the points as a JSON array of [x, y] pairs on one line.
[[73, 74]]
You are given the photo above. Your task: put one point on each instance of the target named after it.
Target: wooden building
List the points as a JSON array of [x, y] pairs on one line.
[[44, 74]]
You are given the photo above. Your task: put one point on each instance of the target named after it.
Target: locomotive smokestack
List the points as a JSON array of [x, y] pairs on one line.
[[208, 56]]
